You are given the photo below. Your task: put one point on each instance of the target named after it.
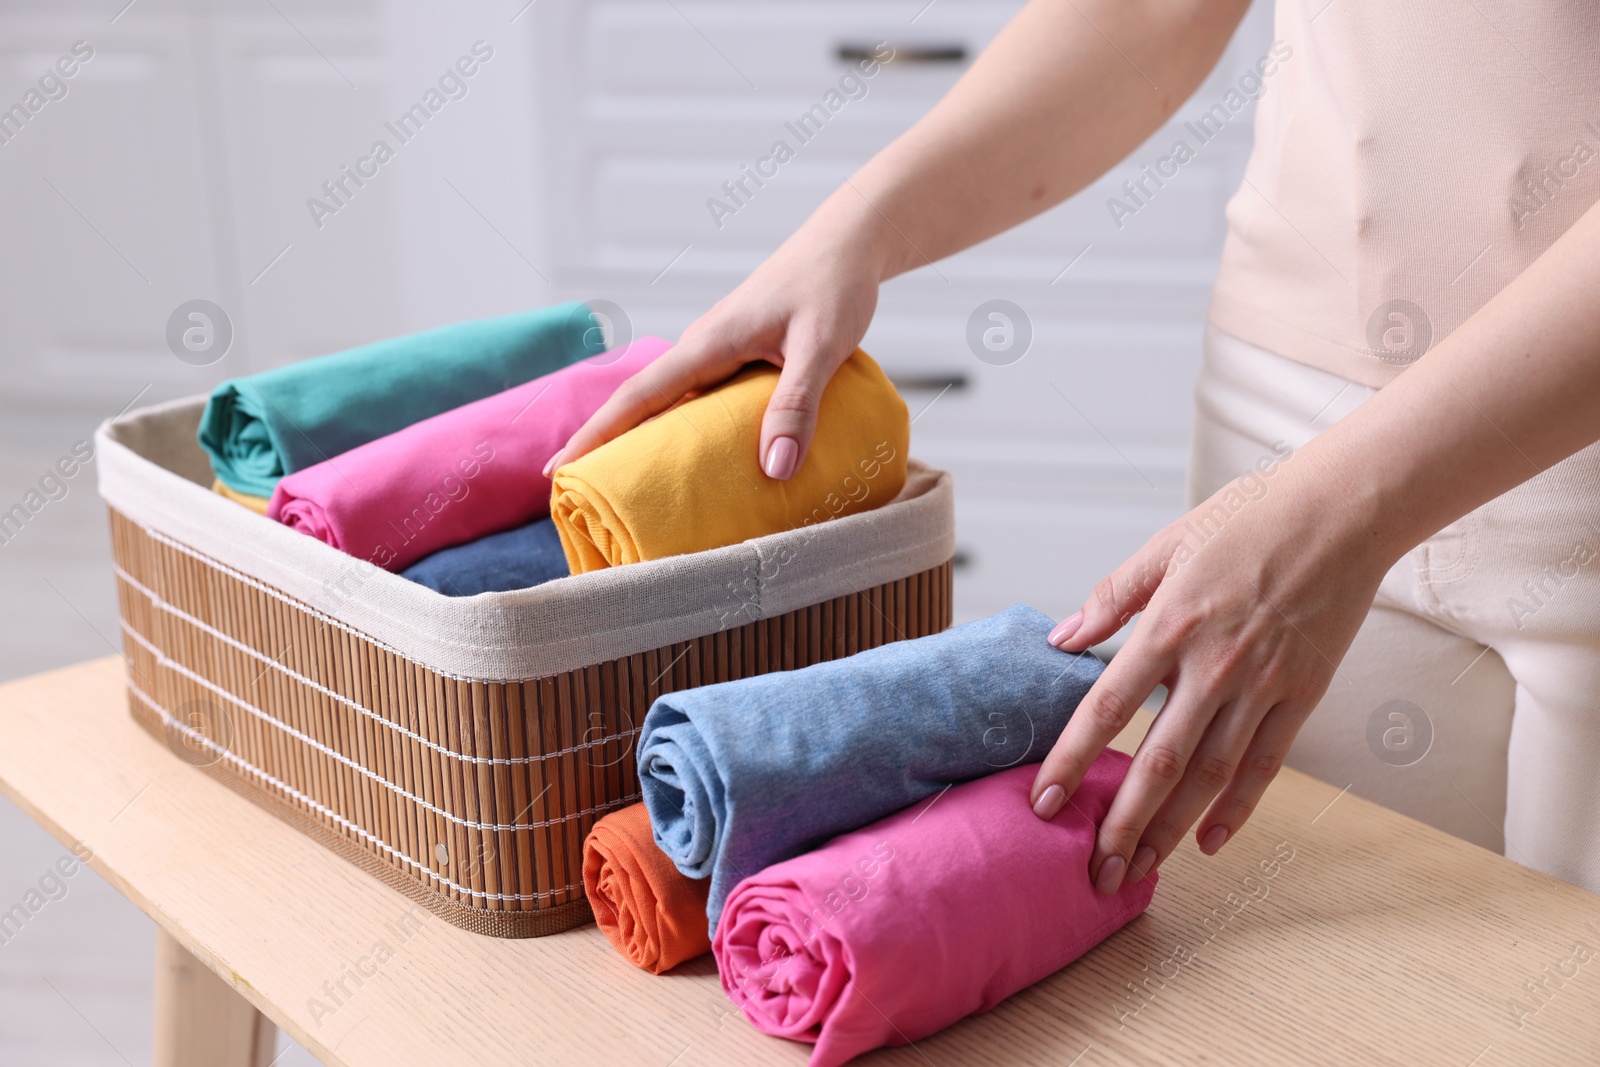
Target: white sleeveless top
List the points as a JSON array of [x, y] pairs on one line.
[[1411, 158]]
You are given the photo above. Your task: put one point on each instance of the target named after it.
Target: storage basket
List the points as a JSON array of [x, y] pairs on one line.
[[461, 748]]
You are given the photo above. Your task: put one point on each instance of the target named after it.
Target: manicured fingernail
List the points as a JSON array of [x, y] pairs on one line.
[[1066, 628], [1049, 802], [1144, 858], [1110, 878], [781, 456], [555, 461], [1213, 839]]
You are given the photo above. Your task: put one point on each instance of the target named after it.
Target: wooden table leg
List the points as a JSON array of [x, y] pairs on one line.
[[200, 1020]]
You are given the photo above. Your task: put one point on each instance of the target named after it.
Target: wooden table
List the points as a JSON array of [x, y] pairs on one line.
[[1330, 931]]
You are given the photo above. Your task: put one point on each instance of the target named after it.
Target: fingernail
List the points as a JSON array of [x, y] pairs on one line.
[[551, 466], [1213, 839], [1110, 877], [1144, 858], [1066, 628], [781, 456], [1049, 802]]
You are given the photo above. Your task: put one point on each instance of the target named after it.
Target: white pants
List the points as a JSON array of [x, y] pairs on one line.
[[1470, 699]]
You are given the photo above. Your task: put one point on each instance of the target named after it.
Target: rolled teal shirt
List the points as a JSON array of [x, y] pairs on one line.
[[259, 428]]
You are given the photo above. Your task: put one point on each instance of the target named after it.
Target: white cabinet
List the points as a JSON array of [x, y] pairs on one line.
[[177, 166], [297, 106], [98, 248]]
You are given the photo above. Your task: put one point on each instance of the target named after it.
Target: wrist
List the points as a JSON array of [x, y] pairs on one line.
[[1350, 506], [860, 230]]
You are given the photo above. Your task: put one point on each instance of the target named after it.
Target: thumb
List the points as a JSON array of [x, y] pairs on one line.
[[791, 418], [700, 361], [1115, 601]]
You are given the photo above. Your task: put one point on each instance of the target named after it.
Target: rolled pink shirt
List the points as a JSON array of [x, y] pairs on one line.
[[460, 475], [887, 934]]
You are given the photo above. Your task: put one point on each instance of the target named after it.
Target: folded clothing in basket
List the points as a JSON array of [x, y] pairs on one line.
[[513, 559], [258, 429], [940, 911], [457, 476], [741, 775], [257, 504], [690, 480], [649, 911]]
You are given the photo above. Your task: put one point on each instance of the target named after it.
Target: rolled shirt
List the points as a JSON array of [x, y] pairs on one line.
[[259, 428], [257, 504], [520, 558], [652, 914], [889, 933], [475, 470], [741, 775], [690, 479]]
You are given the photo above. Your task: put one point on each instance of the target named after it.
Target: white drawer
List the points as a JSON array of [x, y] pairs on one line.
[[674, 101], [1131, 382], [642, 209], [724, 54], [642, 201]]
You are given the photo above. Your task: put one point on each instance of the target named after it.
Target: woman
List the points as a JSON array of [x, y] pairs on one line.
[[1411, 268]]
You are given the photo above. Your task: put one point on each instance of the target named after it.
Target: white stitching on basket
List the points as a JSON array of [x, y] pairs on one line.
[[161, 604], [171, 664], [290, 791]]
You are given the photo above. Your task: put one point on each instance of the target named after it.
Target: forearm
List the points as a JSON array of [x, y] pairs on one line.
[[1066, 90], [1511, 392]]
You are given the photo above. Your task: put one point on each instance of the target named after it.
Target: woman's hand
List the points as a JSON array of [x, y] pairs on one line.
[[805, 310], [1040, 114], [1250, 601]]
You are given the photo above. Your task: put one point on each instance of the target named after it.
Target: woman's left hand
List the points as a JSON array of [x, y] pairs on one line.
[[1250, 601]]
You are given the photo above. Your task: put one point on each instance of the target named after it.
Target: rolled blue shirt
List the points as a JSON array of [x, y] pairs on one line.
[[740, 775], [519, 558]]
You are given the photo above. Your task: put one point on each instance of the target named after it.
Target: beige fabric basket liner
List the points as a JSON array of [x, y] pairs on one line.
[[152, 470]]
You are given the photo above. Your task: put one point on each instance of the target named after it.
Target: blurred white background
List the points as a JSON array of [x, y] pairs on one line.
[[178, 162]]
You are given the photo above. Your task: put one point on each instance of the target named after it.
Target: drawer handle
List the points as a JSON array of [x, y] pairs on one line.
[[916, 53], [933, 383]]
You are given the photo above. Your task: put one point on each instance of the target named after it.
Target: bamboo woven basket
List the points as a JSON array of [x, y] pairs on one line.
[[460, 749]]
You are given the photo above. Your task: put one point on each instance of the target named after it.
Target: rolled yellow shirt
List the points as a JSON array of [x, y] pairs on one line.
[[691, 480], [257, 504]]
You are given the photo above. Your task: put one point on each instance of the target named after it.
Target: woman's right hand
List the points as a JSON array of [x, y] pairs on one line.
[[1041, 113], [805, 310]]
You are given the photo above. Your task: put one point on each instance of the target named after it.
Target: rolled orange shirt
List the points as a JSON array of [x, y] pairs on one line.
[[650, 912]]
